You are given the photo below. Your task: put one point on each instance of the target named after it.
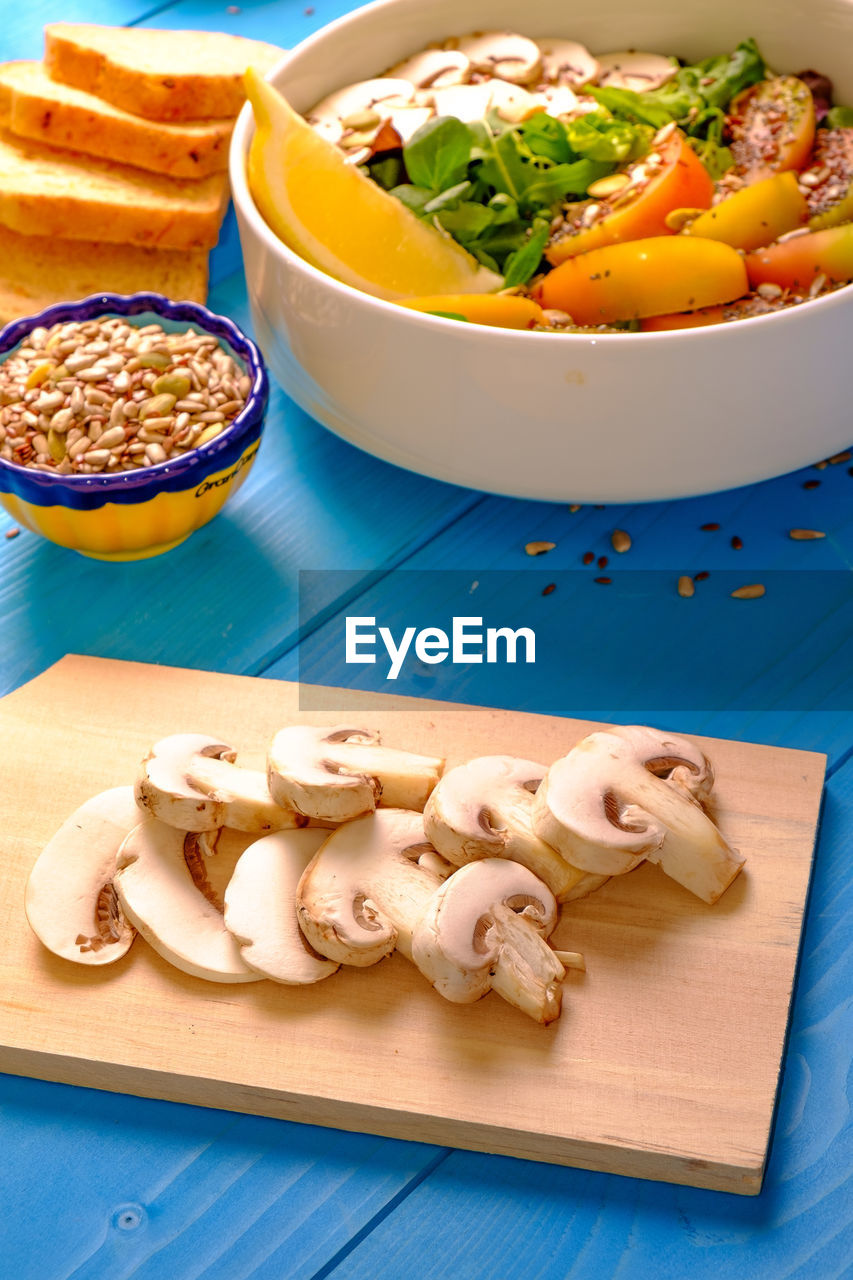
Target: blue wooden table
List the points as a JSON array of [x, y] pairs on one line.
[[95, 1185]]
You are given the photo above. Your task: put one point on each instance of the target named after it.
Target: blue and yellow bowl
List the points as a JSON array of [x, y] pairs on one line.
[[140, 513]]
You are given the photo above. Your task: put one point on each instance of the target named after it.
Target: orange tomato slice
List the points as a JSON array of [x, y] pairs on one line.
[[644, 278], [772, 124], [796, 263], [640, 209], [503, 311], [755, 215]]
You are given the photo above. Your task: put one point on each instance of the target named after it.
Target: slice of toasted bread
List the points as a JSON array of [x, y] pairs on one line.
[[34, 106], [49, 192], [164, 75], [36, 271]]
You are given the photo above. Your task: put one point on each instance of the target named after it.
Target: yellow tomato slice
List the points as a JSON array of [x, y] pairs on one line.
[[756, 215], [772, 124], [503, 311], [681, 181], [796, 263], [644, 278]]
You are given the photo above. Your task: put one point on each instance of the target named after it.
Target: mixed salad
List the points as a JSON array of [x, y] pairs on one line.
[[624, 191]]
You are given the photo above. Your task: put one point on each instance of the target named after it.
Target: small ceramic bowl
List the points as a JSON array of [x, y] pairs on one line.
[[130, 515]]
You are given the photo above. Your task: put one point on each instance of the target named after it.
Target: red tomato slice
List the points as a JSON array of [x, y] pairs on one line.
[[772, 126], [677, 180], [796, 263]]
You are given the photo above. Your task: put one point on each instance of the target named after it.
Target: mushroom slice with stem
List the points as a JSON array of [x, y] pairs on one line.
[[566, 62], [71, 903], [503, 54], [163, 889], [190, 781], [484, 929], [633, 793], [260, 907], [634, 69], [336, 774], [484, 809], [365, 888]]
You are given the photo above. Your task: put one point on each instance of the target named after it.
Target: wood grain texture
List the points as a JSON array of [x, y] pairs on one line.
[[664, 1064], [508, 1218]]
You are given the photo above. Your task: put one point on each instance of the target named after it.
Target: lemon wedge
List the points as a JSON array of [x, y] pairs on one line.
[[341, 221]]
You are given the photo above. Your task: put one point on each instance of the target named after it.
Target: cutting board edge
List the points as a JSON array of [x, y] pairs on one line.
[[353, 1117]]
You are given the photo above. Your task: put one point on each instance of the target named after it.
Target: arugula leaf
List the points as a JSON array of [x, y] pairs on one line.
[[695, 98], [448, 198], [638, 107], [522, 263], [414, 198], [436, 156], [467, 221], [839, 118]]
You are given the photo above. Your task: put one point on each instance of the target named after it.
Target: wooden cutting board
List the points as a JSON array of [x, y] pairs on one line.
[[664, 1063]]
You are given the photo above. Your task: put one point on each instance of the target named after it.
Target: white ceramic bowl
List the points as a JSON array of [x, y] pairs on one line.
[[612, 418]]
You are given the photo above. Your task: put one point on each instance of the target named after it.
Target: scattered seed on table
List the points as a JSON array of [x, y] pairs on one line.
[[711, 527], [737, 543], [12, 533], [752, 591], [685, 586], [814, 484], [552, 586], [701, 575], [575, 506], [620, 540], [539, 548], [602, 562], [819, 466], [604, 581], [844, 456], [588, 557], [805, 535]]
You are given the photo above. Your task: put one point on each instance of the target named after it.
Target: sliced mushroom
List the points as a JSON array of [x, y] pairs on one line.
[[567, 62], [70, 902], [359, 107], [503, 54], [560, 100], [162, 886], [636, 70], [190, 781], [432, 68], [336, 774], [484, 929], [407, 120], [466, 102], [484, 809], [260, 907], [633, 793], [365, 889], [513, 103]]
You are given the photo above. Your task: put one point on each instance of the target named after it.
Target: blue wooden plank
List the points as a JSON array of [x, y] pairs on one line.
[[22, 24], [129, 1187], [227, 599], [492, 1218]]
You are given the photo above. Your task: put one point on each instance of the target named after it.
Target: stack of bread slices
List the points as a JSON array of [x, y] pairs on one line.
[[113, 161]]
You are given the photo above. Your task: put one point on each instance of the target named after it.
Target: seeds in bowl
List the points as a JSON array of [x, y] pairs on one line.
[[104, 395]]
